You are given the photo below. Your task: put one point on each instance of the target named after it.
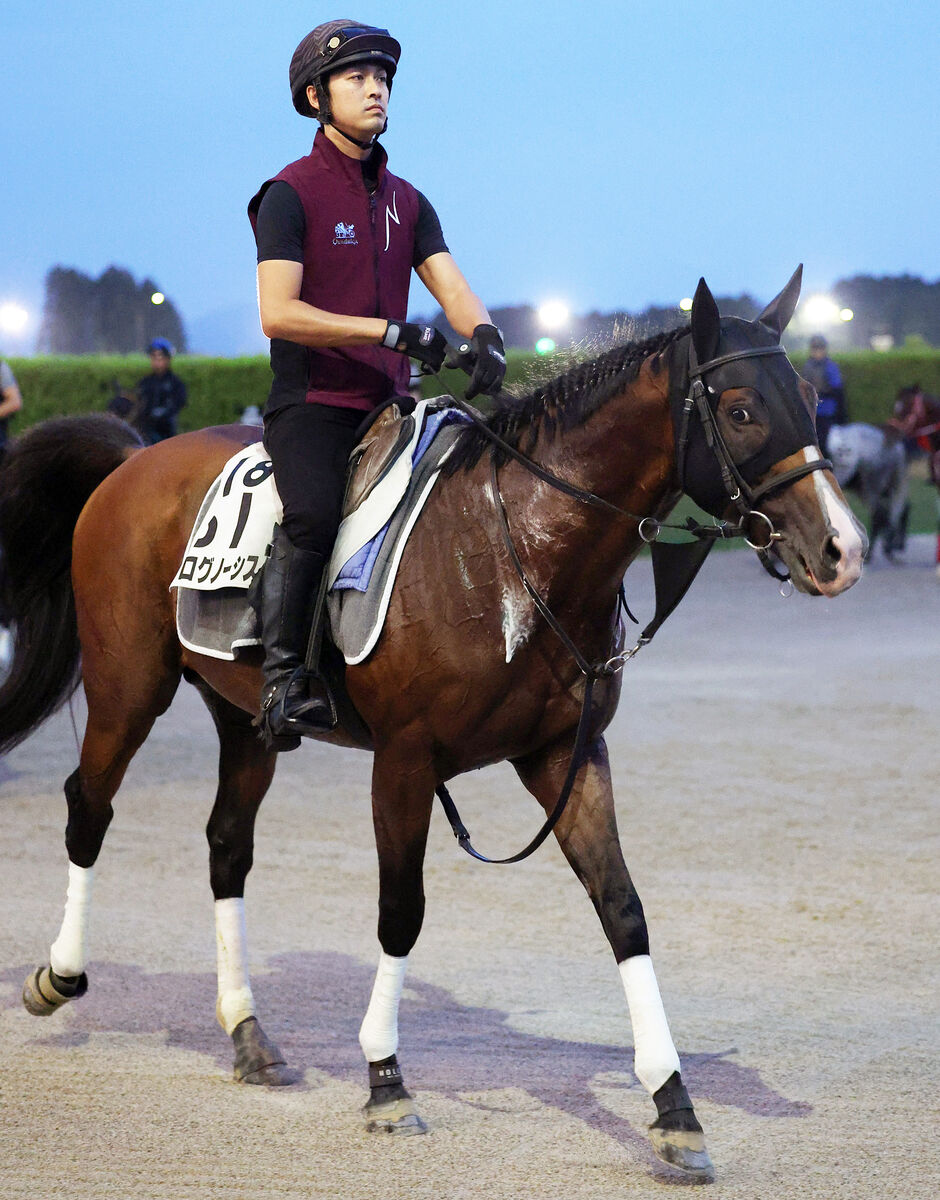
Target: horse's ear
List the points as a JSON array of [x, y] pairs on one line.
[[776, 316], [706, 323]]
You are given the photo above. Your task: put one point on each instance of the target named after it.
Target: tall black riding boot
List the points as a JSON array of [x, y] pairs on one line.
[[293, 702]]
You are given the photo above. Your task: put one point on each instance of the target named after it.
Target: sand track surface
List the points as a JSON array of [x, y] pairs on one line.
[[777, 767]]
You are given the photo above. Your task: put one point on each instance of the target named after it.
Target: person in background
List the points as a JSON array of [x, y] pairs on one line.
[[10, 402], [826, 378], [162, 395]]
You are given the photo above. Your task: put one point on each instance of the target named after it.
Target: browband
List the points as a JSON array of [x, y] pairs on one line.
[[754, 352]]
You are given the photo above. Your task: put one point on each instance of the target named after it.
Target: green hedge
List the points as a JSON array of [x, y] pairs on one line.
[[220, 388]]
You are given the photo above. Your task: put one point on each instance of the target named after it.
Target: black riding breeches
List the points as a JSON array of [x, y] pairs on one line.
[[309, 446]]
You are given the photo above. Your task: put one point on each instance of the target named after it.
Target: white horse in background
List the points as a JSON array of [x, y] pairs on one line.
[[871, 461]]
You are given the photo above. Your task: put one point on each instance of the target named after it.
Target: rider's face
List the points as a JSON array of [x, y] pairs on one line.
[[358, 99]]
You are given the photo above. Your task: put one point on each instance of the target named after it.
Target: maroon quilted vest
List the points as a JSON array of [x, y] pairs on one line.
[[358, 252]]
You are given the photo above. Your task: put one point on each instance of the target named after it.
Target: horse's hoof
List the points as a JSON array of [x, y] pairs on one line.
[[44, 991], [257, 1059], [394, 1116], [684, 1150]]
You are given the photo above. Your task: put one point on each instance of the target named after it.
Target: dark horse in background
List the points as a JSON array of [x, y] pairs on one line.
[[467, 671], [917, 419]]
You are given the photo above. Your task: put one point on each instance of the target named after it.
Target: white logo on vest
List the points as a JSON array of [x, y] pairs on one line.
[[344, 235], [391, 214]]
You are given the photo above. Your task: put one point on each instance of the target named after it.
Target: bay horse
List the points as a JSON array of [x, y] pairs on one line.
[[917, 419], [468, 670]]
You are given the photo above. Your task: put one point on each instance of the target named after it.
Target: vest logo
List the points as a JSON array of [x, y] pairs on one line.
[[344, 235], [391, 214]]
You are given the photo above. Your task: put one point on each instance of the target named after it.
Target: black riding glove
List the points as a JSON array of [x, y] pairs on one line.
[[490, 366], [423, 342]]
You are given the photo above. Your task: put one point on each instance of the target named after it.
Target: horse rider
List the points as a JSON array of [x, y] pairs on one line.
[[162, 395], [337, 237], [826, 378]]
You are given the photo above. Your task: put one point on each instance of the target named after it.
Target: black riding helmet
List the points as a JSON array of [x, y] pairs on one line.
[[333, 45]]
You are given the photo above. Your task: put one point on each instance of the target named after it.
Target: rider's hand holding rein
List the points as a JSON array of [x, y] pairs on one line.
[[428, 346], [489, 370], [422, 342]]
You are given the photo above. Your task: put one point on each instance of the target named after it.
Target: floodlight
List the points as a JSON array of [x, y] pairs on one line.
[[820, 310], [554, 314], [13, 318]]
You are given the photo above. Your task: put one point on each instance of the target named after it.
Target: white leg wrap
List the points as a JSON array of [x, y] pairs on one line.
[[235, 1002], [378, 1035], [67, 954], [655, 1056]]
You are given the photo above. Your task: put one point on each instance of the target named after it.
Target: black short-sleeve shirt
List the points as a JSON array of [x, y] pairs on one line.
[[281, 226]]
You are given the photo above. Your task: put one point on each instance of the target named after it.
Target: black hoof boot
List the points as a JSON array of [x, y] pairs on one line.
[[257, 1059], [676, 1135], [390, 1107], [44, 991]]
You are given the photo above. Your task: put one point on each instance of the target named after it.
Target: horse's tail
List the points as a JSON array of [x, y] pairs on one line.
[[46, 478]]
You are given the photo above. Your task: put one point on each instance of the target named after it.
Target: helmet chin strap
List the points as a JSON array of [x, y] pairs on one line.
[[355, 141]]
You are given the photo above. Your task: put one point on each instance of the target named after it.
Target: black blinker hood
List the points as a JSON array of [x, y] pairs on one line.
[[726, 353]]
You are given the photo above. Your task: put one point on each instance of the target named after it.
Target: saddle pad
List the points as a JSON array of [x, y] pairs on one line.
[[218, 623], [361, 534], [357, 617], [230, 538]]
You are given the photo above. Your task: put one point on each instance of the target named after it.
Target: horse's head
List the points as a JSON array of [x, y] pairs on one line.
[[746, 439]]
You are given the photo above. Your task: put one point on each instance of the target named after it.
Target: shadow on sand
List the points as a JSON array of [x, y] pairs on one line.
[[312, 1004]]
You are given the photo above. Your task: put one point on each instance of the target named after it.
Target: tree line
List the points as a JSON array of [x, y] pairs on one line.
[[112, 314], [115, 314], [903, 308]]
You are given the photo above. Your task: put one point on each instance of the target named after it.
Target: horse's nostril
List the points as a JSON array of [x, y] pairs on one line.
[[831, 550]]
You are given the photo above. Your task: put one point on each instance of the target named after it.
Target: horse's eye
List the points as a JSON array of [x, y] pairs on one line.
[[739, 415]]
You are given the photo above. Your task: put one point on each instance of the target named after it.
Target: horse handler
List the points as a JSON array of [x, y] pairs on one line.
[[337, 236]]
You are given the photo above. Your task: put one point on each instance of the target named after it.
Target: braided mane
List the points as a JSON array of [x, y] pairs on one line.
[[561, 403]]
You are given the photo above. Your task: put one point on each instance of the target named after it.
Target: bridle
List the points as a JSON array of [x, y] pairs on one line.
[[740, 493]]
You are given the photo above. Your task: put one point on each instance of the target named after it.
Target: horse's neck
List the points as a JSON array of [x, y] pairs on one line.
[[624, 453]]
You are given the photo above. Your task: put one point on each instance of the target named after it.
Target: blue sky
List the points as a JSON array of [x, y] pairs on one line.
[[606, 153]]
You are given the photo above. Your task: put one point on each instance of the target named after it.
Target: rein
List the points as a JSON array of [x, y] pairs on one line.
[[591, 498], [677, 576]]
